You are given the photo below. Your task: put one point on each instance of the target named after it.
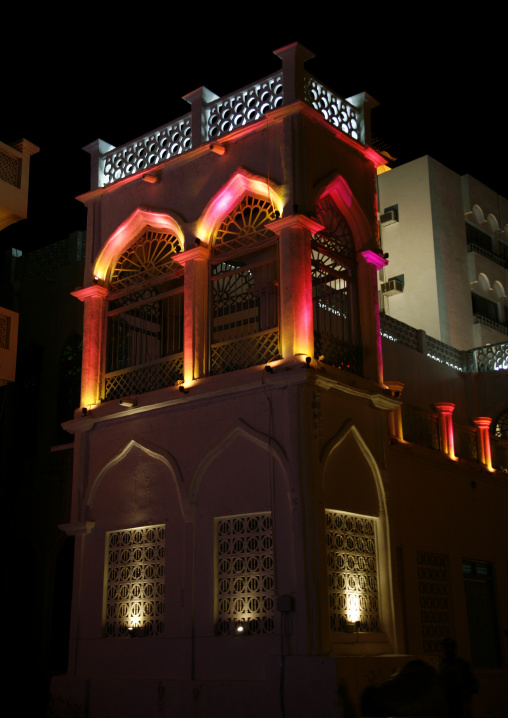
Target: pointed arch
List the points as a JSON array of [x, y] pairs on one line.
[[243, 430], [355, 506], [349, 433], [127, 232], [341, 194], [151, 452], [236, 188]]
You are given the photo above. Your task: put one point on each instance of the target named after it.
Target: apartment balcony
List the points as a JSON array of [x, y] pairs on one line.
[[14, 175]]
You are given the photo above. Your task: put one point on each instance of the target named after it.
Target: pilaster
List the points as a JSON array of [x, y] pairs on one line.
[[295, 283], [482, 424], [445, 411], [94, 299], [195, 262]]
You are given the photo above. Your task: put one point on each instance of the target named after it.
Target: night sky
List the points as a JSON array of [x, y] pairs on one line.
[[439, 88]]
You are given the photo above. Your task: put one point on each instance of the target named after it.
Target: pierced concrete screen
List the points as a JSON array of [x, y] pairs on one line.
[[352, 571], [135, 591], [245, 575], [432, 587]]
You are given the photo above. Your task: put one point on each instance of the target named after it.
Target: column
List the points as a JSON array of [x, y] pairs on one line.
[[94, 299], [483, 437], [395, 417], [370, 321], [445, 411], [295, 284], [195, 340]]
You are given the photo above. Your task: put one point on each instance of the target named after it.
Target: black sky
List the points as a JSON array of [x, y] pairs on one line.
[[438, 85]]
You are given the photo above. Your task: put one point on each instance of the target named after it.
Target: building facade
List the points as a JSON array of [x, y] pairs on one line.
[[249, 520], [447, 240]]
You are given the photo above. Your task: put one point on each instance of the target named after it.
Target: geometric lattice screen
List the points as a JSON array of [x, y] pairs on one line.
[[135, 589], [352, 571], [245, 574], [434, 608]]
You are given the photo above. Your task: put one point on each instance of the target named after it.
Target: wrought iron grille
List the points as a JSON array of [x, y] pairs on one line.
[[244, 226], [245, 574], [465, 442], [147, 258], [432, 587], [244, 289], [420, 427], [245, 316], [334, 291], [135, 584], [145, 318], [352, 571]]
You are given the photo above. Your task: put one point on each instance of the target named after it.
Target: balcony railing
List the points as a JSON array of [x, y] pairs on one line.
[[213, 119]]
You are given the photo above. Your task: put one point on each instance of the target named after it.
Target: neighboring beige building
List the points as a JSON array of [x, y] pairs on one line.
[[447, 240], [254, 533], [14, 177]]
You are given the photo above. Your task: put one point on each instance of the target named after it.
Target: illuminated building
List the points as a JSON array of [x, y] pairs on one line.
[[249, 520]]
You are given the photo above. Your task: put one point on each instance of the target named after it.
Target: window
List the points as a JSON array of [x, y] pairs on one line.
[[245, 575], [145, 317], [481, 614], [352, 571], [244, 289], [432, 587], [336, 335], [135, 581]]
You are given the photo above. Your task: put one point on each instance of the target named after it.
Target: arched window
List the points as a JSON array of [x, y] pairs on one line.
[[334, 292], [244, 289], [145, 316]]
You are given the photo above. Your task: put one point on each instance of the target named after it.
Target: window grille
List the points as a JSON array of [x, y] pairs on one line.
[[352, 571], [145, 318], [433, 590], [244, 289], [245, 574], [334, 290], [10, 169], [135, 581]]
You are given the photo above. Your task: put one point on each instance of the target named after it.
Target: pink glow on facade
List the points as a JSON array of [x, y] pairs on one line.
[[94, 298], [127, 231], [482, 426], [230, 195], [340, 192], [445, 411], [374, 258]]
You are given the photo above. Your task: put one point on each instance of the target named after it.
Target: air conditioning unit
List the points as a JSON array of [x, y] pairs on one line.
[[8, 345], [393, 286], [388, 218]]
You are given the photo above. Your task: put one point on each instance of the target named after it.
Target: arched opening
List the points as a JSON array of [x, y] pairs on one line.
[[334, 290], [244, 296], [144, 348]]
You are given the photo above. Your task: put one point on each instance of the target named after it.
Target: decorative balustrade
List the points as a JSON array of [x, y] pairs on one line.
[[146, 152], [419, 341], [223, 115], [243, 107], [337, 111], [492, 357]]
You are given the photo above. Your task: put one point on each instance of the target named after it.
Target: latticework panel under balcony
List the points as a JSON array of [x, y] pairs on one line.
[[242, 353], [138, 380]]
